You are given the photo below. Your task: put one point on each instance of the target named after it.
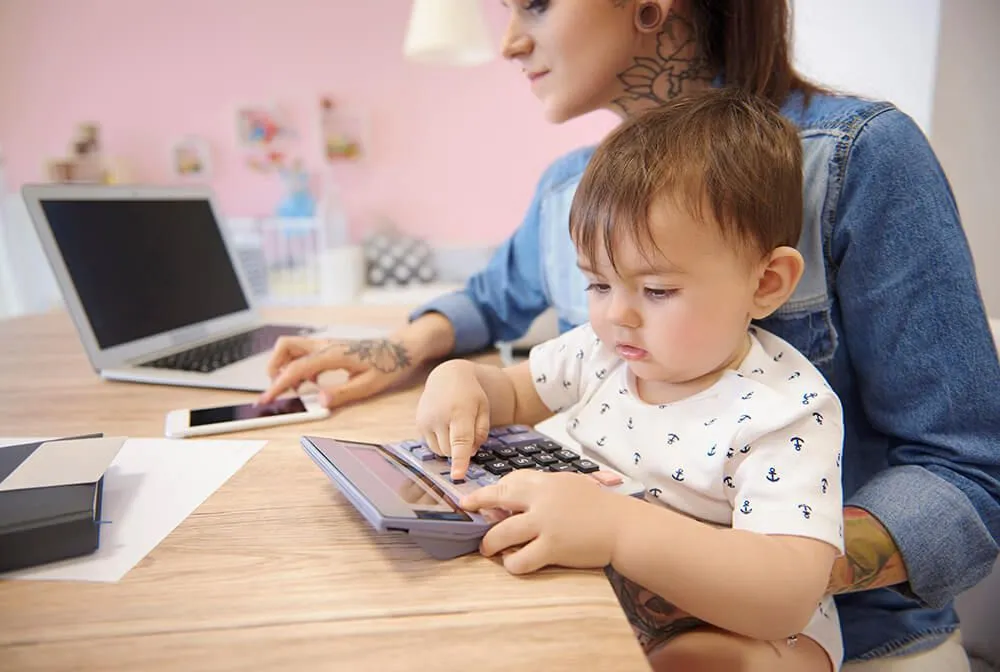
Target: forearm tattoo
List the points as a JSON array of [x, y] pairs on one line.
[[653, 619], [652, 80], [871, 558], [382, 354]]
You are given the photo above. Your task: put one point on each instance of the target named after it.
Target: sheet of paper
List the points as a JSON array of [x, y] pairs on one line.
[[151, 486]]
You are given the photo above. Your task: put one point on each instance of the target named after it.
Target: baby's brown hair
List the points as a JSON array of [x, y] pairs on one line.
[[723, 149]]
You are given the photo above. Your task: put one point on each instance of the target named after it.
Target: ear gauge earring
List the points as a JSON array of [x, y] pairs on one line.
[[649, 17]]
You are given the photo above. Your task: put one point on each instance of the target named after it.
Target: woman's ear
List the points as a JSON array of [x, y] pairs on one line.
[[779, 275], [651, 15]]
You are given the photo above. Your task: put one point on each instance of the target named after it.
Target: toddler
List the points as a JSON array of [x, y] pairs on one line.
[[685, 223]]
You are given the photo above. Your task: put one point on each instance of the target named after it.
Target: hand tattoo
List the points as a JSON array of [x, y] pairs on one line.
[[382, 354], [653, 80], [654, 620], [870, 560]]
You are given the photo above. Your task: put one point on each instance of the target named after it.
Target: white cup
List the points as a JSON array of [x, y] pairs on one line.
[[341, 274]]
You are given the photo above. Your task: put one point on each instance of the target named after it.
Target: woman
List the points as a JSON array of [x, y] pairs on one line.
[[888, 309]]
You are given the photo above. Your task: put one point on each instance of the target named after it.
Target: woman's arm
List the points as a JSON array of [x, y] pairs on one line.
[[500, 302], [926, 371], [870, 560]]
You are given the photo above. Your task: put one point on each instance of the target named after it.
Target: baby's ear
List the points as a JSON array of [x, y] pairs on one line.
[[779, 274]]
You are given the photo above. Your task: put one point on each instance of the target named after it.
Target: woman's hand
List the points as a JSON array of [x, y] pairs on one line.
[[453, 414], [372, 365], [561, 519]]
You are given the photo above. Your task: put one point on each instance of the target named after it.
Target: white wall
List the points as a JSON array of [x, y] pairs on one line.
[[967, 105], [883, 49]]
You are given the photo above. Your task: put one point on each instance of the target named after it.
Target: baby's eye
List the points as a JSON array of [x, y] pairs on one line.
[[657, 293], [598, 287]]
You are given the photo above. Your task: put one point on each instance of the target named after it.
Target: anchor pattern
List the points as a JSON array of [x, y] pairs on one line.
[[723, 448]]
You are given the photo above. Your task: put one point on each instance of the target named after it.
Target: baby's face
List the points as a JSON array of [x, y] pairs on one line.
[[678, 313]]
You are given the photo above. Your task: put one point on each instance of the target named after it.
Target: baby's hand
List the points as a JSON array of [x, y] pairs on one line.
[[453, 415], [561, 519]]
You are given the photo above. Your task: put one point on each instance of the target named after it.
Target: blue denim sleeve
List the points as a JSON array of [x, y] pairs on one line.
[[926, 365], [500, 302]]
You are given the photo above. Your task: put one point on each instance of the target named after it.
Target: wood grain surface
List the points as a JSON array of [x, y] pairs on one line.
[[276, 569]]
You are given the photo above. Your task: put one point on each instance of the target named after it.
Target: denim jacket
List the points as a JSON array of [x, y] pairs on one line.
[[888, 309]]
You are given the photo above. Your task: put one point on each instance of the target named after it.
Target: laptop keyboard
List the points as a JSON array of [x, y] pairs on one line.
[[217, 354]]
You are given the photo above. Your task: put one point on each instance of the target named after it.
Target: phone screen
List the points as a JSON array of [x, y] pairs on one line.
[[213, 416]]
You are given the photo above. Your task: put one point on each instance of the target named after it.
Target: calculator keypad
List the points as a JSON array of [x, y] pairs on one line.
[[516, 447]]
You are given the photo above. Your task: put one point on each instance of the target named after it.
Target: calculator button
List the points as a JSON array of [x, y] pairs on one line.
[[505, 452], [498, 467], [566, 455], [518, 429], [423, 454], [474, 472], [586, 466], [562, 466], [411, 444], [529, 449], [548, 445], [483, 456], [544, 459], [608, 478], [498, 431], [492, 443], [488, 479], [512, 439], [453, 481], [521, 462]]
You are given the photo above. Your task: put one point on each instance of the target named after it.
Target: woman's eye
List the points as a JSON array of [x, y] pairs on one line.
[[598, 287], [655, 293], [538, 6]]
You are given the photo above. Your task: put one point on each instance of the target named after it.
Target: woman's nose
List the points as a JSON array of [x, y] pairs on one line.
[[515, 42]]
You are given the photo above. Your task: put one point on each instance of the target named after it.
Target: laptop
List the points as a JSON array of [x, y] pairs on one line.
[[154, 286]]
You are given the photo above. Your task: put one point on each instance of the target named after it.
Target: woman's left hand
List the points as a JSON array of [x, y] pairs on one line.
[[562, 519]]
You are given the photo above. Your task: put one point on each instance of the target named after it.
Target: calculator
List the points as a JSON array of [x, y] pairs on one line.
[[404, 487]]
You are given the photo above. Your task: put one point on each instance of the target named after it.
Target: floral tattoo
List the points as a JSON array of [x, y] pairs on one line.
[[382, 354], [654, 620], [653, 80]]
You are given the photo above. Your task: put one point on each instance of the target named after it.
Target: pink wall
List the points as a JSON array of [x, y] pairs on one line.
[[454, 155]]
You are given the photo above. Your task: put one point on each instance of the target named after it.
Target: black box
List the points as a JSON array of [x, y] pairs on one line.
[[50, 499]]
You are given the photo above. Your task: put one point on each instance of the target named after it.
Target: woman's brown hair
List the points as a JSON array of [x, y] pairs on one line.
[[749, 42]]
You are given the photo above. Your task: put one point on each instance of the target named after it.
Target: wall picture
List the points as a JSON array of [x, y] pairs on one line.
[[261, 126], [342, 132], [190, 158]]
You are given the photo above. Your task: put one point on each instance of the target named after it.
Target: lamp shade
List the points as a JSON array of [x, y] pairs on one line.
[[448, 32]]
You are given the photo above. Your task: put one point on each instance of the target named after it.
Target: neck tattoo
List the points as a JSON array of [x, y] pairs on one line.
[[676, 66]]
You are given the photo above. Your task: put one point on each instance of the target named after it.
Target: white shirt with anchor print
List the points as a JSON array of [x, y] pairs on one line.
[[759, 450]]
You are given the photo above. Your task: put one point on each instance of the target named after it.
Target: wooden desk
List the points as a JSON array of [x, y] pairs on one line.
[[276, 570]]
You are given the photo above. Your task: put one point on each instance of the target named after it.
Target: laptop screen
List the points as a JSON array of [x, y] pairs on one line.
[[144, 267]]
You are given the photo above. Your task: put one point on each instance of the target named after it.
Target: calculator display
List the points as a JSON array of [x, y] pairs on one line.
[[423, 495]]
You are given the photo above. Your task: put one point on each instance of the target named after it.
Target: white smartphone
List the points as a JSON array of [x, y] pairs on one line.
[[184, 422]]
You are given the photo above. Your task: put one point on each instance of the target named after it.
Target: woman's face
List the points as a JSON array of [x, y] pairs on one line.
[[572, 51]]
